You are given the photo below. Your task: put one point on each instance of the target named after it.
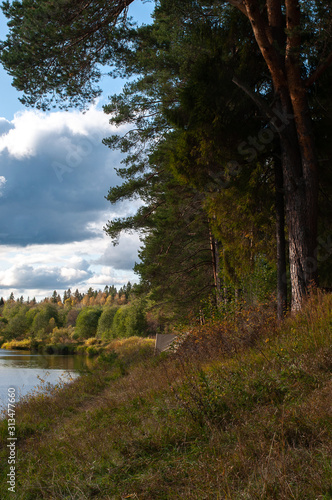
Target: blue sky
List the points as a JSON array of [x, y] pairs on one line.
[[54, 174]]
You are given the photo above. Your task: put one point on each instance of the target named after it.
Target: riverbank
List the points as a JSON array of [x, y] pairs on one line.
[[243, 410], [90, 347]]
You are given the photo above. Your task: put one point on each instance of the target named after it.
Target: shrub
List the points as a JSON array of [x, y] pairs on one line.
[[17, 326], [42, 320], [87, 322], [61, 335], [105, 323], [26, 344], [130, 321], [119, 323]]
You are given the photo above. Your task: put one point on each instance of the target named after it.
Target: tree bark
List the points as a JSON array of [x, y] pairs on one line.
[[281, 52], [281, 240], [215, 266]]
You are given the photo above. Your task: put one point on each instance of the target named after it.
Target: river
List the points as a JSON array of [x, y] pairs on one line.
[[26, 370]]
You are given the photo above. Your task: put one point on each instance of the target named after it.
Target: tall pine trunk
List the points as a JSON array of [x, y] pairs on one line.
[[301, 217], [278, 35], [281, 240], [214, 246]]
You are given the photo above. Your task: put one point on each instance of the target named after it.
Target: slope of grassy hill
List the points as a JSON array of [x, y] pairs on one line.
[[242, 410]]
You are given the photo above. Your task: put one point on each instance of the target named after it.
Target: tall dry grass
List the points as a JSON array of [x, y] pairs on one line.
[[242, 410]]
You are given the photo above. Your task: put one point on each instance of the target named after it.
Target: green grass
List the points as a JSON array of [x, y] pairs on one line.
[[242, 410]]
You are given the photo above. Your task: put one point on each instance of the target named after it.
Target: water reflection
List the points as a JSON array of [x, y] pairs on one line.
[[27, 359], [24, 370]]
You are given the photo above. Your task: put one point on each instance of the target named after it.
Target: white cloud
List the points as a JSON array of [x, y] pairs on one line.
[[109, 276], [5, 126], [30, 129], [71, 275], [37, 270], [54, 176], [123, 256], [57, 174], [2, 184]]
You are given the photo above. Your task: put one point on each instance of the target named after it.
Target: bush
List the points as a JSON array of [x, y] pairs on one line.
[[43, 319], [87, 322], [62, 335], [26, 344], [119, 323], [17, 326], [105, 323], [130, 321]]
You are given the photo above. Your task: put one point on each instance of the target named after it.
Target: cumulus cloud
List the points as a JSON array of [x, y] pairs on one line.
[[37, 270], [28, 277], [109, 276], [32, 132], [57, 173], [2, 184], [5, 126], [124, 256], [54, 175]]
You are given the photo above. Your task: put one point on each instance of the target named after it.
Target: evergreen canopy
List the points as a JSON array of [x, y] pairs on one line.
[[55, 49], [278, 53]]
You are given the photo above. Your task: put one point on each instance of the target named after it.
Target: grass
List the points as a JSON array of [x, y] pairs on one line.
[[242, 410]]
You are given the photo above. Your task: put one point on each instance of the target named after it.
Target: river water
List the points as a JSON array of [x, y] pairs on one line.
[[25, 371]]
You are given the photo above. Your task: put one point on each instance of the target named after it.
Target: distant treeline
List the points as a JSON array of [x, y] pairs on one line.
[[100, 314]]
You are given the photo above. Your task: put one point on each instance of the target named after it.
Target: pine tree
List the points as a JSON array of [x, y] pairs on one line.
[[57, 49]]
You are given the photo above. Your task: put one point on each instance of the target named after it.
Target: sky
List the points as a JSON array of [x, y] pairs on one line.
[[54, 176]]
